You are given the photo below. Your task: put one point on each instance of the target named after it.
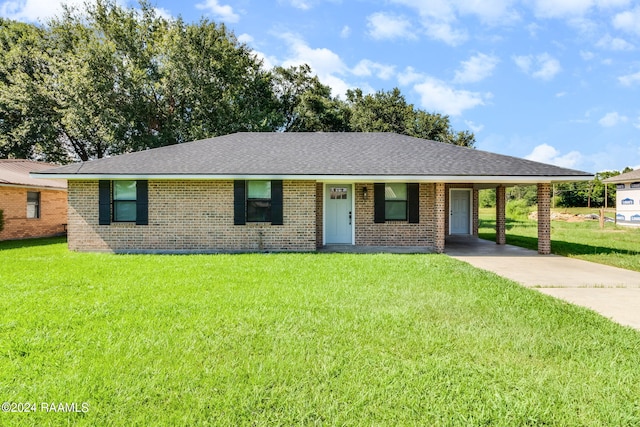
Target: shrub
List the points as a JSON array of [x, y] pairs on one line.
[[1, 220], [518, 209], [487, 198]]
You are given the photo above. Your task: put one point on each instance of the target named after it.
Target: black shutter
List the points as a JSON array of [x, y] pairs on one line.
[[239, 202], [413, 200], [142, 203], [378, 201], [276, 202], [104, 202]]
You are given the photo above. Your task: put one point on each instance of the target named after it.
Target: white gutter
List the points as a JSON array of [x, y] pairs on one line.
[[330, 178]]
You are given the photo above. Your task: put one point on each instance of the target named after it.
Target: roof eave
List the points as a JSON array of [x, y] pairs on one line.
[[507, 179]]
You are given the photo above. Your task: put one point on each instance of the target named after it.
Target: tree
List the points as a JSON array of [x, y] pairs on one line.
[[28, 121], [218, 84], [110, 80], [390, 112], [305, 104]]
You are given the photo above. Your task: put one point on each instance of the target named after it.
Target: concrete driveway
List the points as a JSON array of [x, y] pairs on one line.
[[610, 291]]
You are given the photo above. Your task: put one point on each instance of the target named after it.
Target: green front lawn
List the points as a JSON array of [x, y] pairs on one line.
[[613, 245], [300, 339]]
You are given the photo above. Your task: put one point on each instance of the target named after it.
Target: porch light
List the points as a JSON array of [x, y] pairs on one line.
[[365, 192]]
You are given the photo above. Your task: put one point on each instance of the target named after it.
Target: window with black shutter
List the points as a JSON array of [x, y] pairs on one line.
[[258, 201], [123, 201], [396, 202]]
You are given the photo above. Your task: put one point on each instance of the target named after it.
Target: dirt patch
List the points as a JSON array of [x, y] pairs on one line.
[[567, 217]]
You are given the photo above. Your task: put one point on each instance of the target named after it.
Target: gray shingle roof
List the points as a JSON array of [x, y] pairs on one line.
[[625, 177], [316, 154]]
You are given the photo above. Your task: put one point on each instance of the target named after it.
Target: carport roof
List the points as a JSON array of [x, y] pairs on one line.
[[625, 177], [317, 155]]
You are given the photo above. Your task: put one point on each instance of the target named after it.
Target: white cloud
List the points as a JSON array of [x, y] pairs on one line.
[[323, 62], [614, 43], [636, 125], [612, 119], [301, 4], [163, 13], [523, 62], [558, 9], [628, 21], [409, 76], [477, 68], [245, 38], [543, 66], [533, 29], [438, 96], [35, 10], [223, 12], [385, 26], [445, 32], [438, 19], [586, 55], [545, 153], [475, 128], [346, 32], [491, 12], [572, 8], [629, 79], [367, 68]]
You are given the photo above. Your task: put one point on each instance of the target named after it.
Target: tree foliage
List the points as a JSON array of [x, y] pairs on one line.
[[107, 80], [306, 105], [111, 80], [388, 111]]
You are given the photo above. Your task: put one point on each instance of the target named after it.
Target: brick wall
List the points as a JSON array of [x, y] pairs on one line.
[[394, 233], [53, 213], [192, 216], [501, 220], [440, 215]]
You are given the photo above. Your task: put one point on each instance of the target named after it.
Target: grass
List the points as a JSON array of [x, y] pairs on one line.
[[613, 245], [300, 339]]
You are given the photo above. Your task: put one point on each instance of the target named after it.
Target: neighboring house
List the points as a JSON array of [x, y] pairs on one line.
[[294, 192], [31, 207], [627, 197]]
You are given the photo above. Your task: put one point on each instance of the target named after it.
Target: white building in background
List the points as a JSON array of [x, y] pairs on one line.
[[627, 197]]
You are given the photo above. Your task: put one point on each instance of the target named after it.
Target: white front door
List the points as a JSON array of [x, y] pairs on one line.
[[338, 214], [460, 215]]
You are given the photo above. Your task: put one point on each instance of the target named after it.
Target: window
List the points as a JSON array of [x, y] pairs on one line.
[[33, 204], [124, 201], [396, 202], [258, 201]]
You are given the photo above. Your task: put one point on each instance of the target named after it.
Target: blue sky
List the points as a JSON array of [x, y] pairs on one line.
[[556, 81]]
